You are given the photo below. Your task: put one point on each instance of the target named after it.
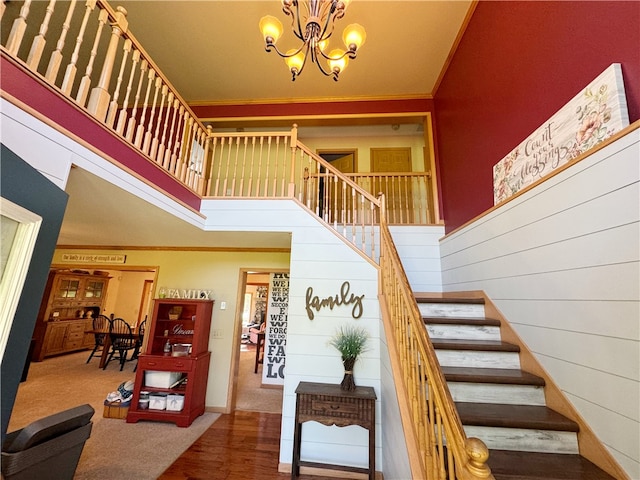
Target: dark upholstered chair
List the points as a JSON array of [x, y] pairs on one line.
[[49, 447]]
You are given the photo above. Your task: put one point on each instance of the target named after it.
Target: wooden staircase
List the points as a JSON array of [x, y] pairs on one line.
[[498, 402]]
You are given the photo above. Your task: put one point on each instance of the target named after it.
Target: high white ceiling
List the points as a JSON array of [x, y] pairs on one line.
[[213, 53]]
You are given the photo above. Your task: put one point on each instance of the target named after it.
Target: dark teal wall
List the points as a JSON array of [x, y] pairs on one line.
[[25, 186]]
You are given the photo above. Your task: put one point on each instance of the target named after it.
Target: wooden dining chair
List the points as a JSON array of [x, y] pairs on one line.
[[140, 340], [101, 327], [122, 340]]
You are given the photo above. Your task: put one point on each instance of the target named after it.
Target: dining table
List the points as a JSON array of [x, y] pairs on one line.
[[107, 343]]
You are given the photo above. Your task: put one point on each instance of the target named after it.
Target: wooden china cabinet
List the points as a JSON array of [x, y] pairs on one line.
[[175, 363], [72, 298]]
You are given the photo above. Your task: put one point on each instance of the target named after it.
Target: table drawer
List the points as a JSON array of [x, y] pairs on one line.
[[328, 407], [337, 408]]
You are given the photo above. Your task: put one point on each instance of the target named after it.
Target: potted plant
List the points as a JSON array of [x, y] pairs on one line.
[[350, 341]]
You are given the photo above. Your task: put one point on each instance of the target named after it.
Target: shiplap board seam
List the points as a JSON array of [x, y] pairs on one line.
[[563, 360], [541, 245], [581, 332], [540, 219]]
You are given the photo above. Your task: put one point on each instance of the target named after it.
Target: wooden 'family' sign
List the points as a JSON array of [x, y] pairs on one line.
[[594, 115]]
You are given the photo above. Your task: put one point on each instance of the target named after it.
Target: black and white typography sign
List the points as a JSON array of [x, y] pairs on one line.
[[275, 345]]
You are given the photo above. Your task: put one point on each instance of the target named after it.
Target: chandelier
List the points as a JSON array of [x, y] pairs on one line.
[[312, 21]]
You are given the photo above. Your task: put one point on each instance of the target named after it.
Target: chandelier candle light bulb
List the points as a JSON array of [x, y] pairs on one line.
[[312, 22]]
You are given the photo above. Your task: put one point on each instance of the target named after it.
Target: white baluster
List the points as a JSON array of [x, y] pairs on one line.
[[85, 83], [212, 162], [259, 167], [99, 100], [167, 154], [122, 116], [113, 106], [17, 30], [70, 72], [140, 130], [154, 143], [147, 135], [162, 146], [251, 164], [56, 57], [180, 134], [39, 42]]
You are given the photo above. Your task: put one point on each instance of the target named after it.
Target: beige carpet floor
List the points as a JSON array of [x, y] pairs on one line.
[[116, 449], [251, 395]]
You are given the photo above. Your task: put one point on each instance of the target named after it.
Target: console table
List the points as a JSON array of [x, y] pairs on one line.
[[329, 405]]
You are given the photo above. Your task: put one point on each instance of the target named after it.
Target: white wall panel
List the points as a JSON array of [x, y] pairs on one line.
[[46, 150], [53, 154], [419, 249], [613, 429], [394, 449], [623, 397], [562, 263], [618, 319], [605, 354]]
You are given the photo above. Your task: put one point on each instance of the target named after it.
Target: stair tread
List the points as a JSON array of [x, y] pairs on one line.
[[491, 322], [478, 345], [510, 376], [460, 300], [514, 465], [514, 416]]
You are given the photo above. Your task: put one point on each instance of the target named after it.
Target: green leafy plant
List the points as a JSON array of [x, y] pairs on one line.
[[350, 341]]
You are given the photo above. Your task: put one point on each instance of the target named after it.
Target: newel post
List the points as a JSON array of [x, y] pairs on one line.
[[294, 143], [477, 454], [99, 99]]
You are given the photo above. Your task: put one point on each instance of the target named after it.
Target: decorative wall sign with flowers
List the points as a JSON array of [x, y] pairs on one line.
[[595, 114]]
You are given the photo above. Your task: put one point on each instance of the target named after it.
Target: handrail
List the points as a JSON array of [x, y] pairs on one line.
[[437, 443], [130, 95], [276, 165]]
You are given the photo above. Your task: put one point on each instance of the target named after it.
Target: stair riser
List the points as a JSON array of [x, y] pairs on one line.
[[543, 441], [464, 332], [451, 310], [497, 393], [467, 358]]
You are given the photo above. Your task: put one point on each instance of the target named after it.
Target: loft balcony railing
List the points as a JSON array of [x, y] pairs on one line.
[[83, 52]]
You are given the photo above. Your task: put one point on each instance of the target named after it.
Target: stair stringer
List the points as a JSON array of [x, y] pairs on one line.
[[589, 444]]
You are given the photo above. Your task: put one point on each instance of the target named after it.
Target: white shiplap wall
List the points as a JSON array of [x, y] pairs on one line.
[[562, 263], [322, 260], [419, 249]]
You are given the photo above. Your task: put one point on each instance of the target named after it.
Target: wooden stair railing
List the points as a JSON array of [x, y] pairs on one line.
[[276, 165], [105, 71], [132, 98], [437, 445]]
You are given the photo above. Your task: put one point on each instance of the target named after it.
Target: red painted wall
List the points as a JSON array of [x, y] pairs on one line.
[[518, 63], [54, 106]]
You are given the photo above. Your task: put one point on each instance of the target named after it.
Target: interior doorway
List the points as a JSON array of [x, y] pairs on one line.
[[248, 392]]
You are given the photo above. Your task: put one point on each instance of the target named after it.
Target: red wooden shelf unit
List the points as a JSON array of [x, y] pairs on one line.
[[181, 376]]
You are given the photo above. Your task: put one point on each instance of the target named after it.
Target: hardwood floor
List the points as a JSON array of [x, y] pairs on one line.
[[238, 446]]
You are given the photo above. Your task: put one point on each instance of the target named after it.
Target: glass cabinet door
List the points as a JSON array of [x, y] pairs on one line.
[[94, 289], [68, 288]]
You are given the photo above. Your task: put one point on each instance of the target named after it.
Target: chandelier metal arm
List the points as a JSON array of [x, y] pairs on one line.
[[313, 29]]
